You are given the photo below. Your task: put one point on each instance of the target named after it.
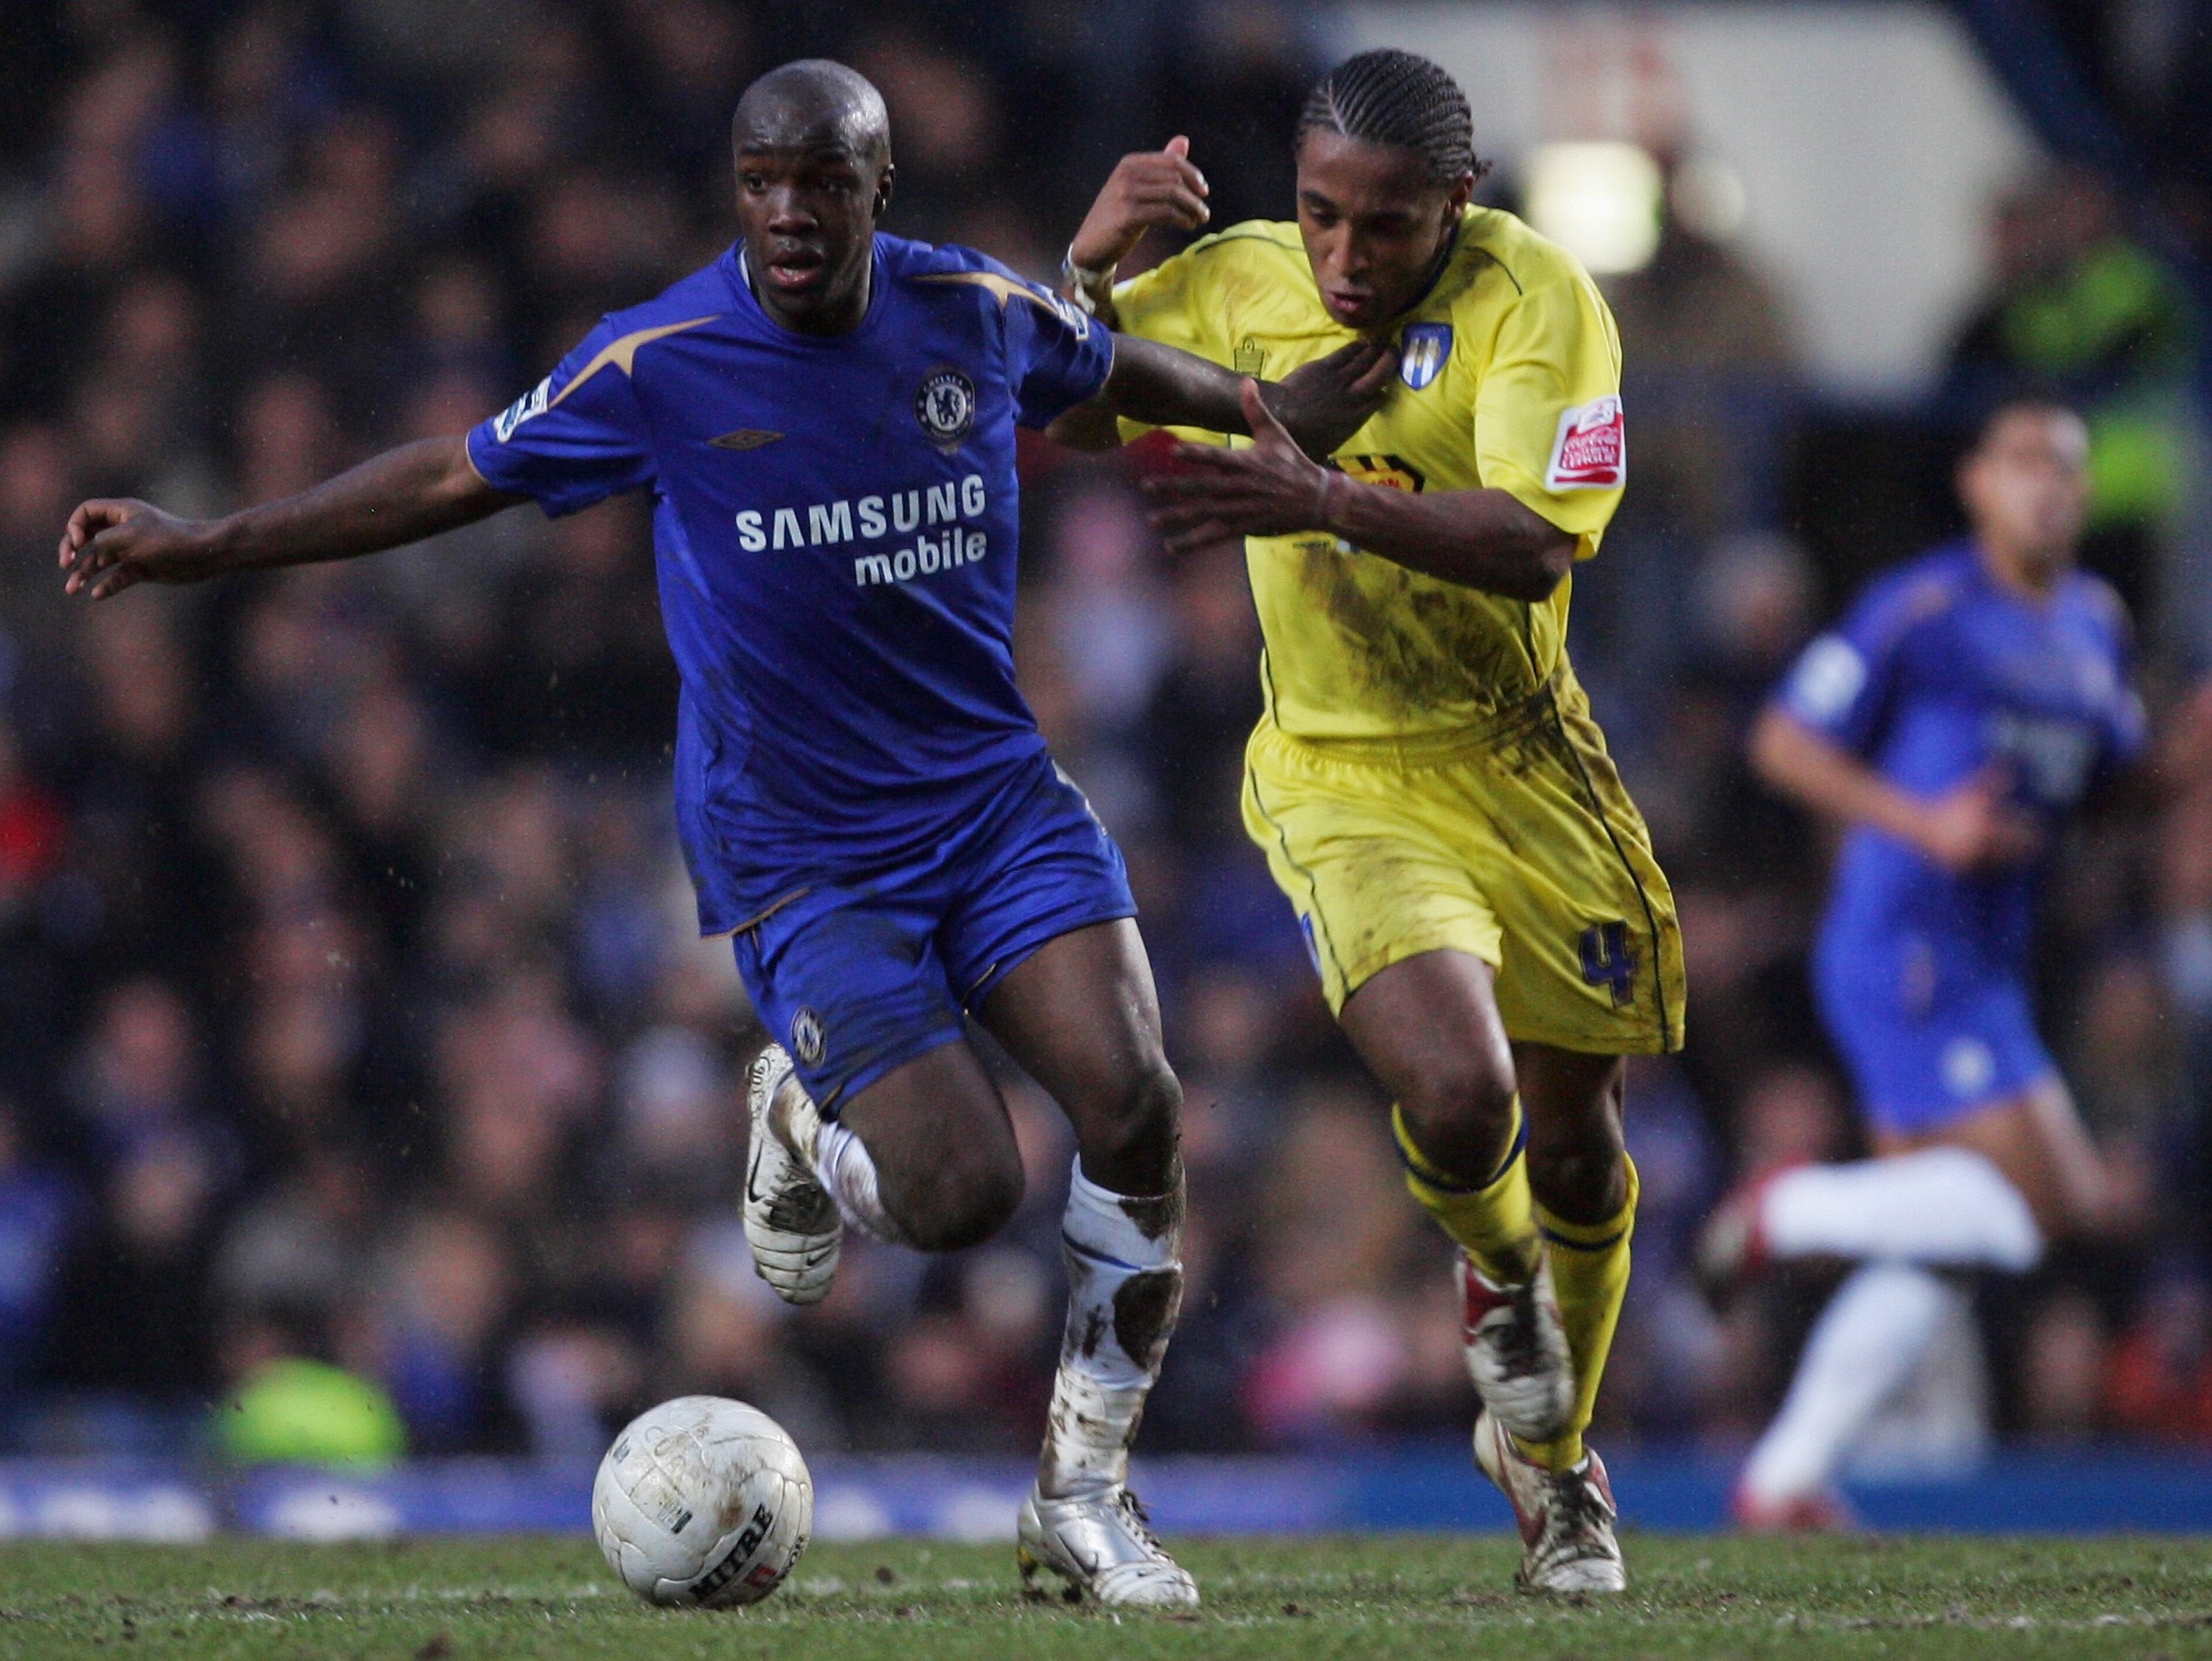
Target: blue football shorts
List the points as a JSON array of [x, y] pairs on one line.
[[1929, 1036], [859, 974]]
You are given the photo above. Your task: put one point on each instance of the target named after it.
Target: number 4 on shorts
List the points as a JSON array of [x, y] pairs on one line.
[[1608, 961]]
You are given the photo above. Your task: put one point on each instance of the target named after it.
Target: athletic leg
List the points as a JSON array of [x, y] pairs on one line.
[[1942, 1205], [924, 1156], [932, 1142], [2037, 1142], [1585, 1185], [1868, 1342], [1981, 1191], [1081, 1016], [1428, 1027], [879, 1113]]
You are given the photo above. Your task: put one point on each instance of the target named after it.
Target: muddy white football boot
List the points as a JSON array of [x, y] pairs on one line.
[[1566, 1517], [790, 1221], [1517, 1351], [1103, 1544]]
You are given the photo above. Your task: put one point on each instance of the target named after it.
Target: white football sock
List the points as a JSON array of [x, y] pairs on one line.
[[1865, 1346], [1940, 1205], [1124, 1289], [842, 1165]]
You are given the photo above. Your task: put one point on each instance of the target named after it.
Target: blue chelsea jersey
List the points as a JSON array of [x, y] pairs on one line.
[[834, 523], [1938, 672]]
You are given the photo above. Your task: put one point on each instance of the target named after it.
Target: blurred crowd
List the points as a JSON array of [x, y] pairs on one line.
[[351, 1005]]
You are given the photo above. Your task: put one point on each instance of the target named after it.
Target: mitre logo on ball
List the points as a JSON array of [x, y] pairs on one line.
[[1591, 449]]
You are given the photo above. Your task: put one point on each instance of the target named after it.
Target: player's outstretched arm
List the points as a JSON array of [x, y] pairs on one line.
[[402, 495], [1316, 408], [1971, 828], [1483, 539]]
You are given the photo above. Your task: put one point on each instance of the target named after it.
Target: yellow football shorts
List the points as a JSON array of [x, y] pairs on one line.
[[1516, 843]]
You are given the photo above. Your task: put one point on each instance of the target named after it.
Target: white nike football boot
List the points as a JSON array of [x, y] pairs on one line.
[[1566, 1517], [1517, 1351], [790, 1221], [1101, 1544]]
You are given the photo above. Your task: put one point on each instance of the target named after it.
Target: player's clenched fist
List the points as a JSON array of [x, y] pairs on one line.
[[110, 544], [1161, 187]]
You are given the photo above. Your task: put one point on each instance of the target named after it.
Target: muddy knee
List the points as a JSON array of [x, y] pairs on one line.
[[1130, 1138]]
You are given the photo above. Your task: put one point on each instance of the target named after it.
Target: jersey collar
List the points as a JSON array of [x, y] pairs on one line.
[[749, 302]]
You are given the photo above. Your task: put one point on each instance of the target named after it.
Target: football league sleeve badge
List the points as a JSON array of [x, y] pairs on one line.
[[1590, 451]]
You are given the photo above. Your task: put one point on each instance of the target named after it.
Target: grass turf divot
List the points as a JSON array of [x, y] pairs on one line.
[[1404, 1595]]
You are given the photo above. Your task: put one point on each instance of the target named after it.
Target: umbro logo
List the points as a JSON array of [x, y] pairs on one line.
[[745, 438]]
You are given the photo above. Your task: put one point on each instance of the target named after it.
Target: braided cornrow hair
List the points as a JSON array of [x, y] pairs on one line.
[[1399, 99]]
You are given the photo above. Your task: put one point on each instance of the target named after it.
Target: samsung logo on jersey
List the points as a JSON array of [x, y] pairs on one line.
[[826, 524], [928, 555]]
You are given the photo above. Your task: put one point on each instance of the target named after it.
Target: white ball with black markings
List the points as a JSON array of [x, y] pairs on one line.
[[703, 1500]]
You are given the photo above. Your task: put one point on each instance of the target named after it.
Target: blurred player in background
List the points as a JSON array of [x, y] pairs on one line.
[[1477, 889], [826, 418], [1952, 722]]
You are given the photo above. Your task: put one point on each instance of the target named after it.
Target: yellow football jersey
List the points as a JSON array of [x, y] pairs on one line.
[[1509, 378]]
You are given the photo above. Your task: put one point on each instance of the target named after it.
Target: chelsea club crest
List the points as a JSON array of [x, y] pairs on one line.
[[1423, 350], [945, 407]]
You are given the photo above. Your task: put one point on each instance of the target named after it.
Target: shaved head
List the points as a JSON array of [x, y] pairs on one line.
[[814, 174], [813, 103]]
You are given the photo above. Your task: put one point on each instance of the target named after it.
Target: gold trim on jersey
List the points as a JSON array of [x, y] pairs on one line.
[[623, 353], [1004, 287]]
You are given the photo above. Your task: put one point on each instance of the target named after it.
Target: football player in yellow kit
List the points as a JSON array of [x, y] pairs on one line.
[[1478, 892]]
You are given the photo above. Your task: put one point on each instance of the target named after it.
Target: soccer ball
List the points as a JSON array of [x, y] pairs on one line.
[[702, 1501]]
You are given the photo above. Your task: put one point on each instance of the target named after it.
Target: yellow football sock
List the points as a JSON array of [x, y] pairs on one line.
[[1589, 1267], [1493, 1219]]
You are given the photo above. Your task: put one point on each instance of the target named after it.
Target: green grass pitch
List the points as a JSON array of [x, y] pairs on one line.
[[1410, 1596]]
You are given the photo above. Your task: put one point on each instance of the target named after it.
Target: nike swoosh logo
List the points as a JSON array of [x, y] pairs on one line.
[[752, 1168], [745, 438]]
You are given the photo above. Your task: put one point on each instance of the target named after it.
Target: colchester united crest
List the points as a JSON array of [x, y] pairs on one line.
[[945, 406], [1423, 350]]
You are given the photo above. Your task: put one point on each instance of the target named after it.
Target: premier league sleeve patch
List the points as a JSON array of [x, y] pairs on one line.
[[1423, 350], [1590, 451], [944, 404]]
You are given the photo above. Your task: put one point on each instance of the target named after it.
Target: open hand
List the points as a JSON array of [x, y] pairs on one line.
[[1160, 187], [1977, 827], [1217, 495], [112, 543], [1324, 402]]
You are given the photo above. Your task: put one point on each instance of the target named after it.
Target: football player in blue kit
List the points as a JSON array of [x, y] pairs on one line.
[[826, 417], [1952, 721]]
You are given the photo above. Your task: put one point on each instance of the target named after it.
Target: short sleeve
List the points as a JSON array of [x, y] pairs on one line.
[[1842, 681], [2127, 733], [1057, 355], [2127, 724], [1166, 304], [576, 438], [1174, 304], [1549, 428]]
